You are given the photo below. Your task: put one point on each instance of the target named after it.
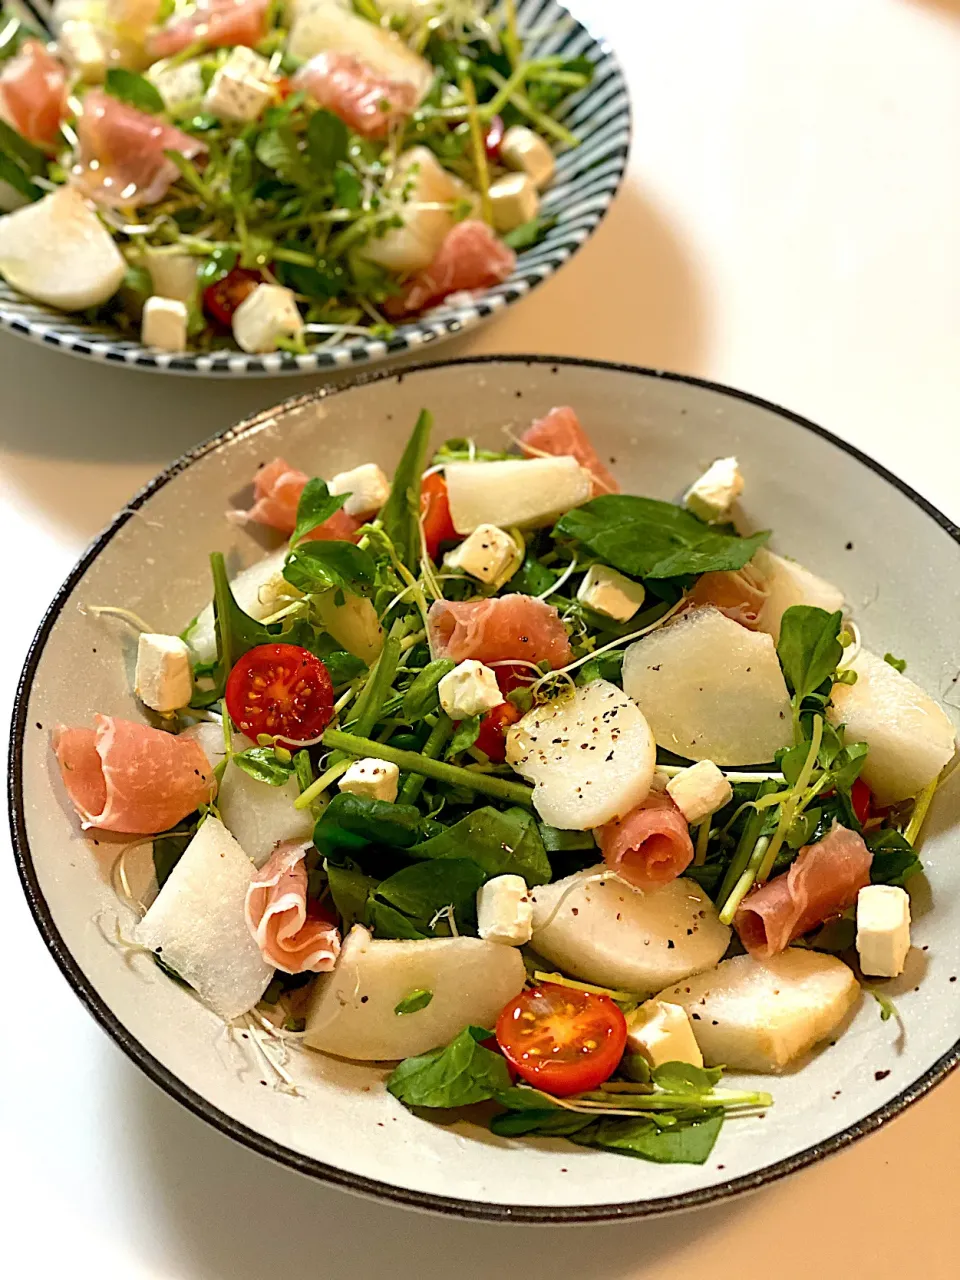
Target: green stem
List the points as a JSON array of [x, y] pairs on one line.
[[416, 762], [745, 882], [794, 804], [544, 123], [921, 807], [481, 169], [748, 840], [703, 839], [676, 1101], [367, 709], [440, 735]]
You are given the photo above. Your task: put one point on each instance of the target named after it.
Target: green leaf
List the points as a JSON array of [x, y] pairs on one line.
[[689, 1141], [458, 1076], [422, 697], [327, 142], [314, 567], [898, 664], [167, 852], [465, 735], [219, 264], [15, 144], [556, 1124], [528, 233], [532, 578], [11, 173], [500, 843], [278, 149], [894, 859], [263, 764], [847, 764], [557, 841], [351, 823], [414, 1002], [683, 1077], [809, 647], [347, 188], [645, 538], [237, 633], [417, 893], [317, 504], [400, 515], [350, 889], [135, 90]]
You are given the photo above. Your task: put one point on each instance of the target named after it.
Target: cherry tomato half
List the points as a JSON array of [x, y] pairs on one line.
[[492, 738], [221, 299], [493, 138], [861, 798], [513, 675], [560, 1039], [435, 510], [282, 690]]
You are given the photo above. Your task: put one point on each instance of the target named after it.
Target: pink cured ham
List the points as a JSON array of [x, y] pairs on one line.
[[470, 257], [823, 881], [124, 776], [739, 593], [650, 846], [560, 433], [214, 23], [289, 936], [276, 494], [33, 93], [367, 103], [497, 630], [121, 160]]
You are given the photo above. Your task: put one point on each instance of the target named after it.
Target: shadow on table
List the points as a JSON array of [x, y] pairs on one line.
[[216, 1211]]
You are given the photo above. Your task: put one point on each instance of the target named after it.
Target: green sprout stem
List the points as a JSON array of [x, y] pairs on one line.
[[440, 735]]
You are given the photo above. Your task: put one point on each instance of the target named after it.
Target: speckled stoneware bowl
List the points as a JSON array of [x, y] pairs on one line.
[[843, 515]]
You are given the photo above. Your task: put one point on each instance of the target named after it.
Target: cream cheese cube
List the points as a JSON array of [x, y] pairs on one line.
[[661, 1032], [367, 486], [470, 689], [179, 84], [240, 89], [164, 324], [513, 201], [883, 930], [374, 779], [504, 911], [699, 791], [526, 151], [712, 496], [265, 315], [608, 592], [488, 554], [84, 50], [164, 676]]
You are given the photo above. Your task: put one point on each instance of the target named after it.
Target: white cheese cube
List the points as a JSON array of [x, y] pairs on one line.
[[699, 791], [367, 486], [164, 324], [237, 96], [245, 62], [174, 275], [470, 689], [374, 779], [504, 911], [712, 496], [883, 930], [164, 678], [488, 554], [609, 592], [526, 151], [513, 201], [179, 84], [83, 49], [265, 315], [661, 1032]]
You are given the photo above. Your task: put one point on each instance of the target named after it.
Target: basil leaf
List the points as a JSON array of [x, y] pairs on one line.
[[317, 504], [556, 1124], [314, 567], [422, 697], [414, 1002], [327, 142], [684, 1077], [894, 858], [350, 889], [406, 903], [464, 736], [457, 1076], [352, 823], [499, 843], [135, 90], [809, 647], [645, 538], [400, 514], [689, 1141], [262, 763]]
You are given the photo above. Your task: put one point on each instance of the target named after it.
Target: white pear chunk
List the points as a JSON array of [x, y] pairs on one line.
[[354, 624], [208, 734], [590, 756], [59, 252], [910, 736], [258, 815], [789, 583], [418, 185], [352, 1011], [527, 493], [196, 924], [605, 932], [320, 26], [258, 590], [710, 689], [761, 1016]]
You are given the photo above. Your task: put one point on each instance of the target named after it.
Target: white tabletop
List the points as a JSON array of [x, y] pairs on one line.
[[790, 225]]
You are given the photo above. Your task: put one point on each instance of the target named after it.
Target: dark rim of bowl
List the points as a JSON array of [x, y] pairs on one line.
[[167, 1081]]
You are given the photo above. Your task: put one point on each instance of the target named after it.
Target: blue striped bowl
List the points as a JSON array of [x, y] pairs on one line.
[[588, 177]]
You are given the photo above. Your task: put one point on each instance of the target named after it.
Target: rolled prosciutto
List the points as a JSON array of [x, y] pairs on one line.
[[497, 630], [276, 495], [559, 433], [650, 846], [292, 935], [470, 257], [366, 102], [123, 776], [823, 881]]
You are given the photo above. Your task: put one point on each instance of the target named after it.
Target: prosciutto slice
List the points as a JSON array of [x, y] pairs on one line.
[[33, 93], [366, 102], [497, 630], [823, 881], [214, 23], [121, 160], [650, 846], [276, 494], [290, 936], [738, 593], [124, 776], [559, 433], [470, 257]]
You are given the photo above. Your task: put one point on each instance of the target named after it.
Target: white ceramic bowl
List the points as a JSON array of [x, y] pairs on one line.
[[843, 515]]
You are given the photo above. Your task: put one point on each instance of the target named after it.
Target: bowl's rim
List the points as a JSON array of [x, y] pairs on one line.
[[200, 1106]]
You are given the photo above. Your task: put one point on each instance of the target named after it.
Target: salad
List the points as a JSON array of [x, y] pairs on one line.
[[272, 174], [557, 798]]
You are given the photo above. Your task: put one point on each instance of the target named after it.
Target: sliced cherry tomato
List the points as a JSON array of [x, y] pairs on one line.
[[562, 1040], [513, 675], [861, 798], [493, 139], [492, 738], [435, 510], [282, 690], [220, 300]]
